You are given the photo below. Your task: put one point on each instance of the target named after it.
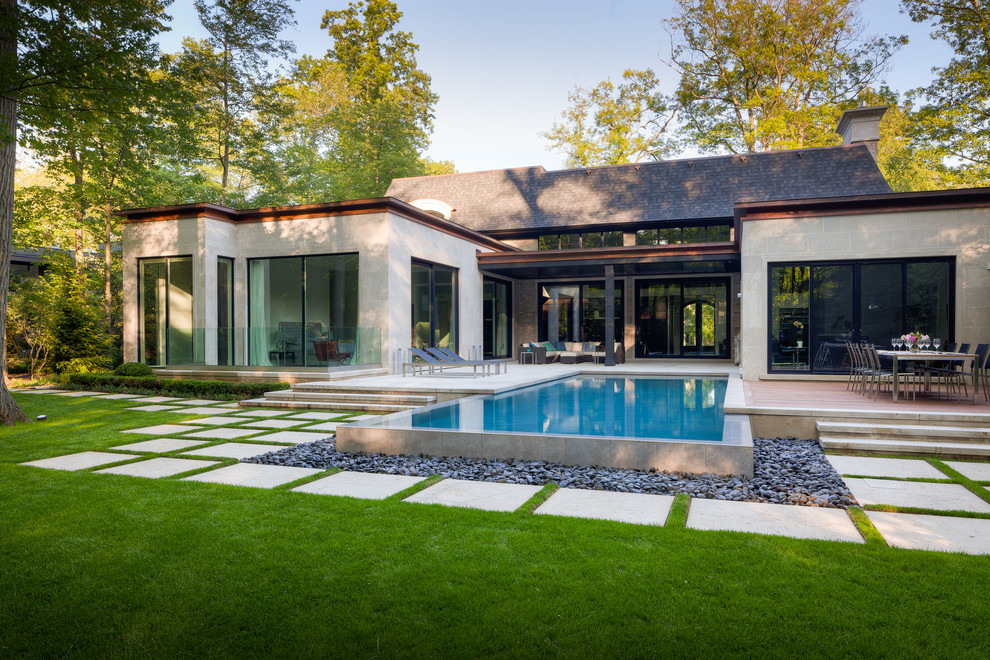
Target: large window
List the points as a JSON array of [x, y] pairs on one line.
[[666, 235], [815, 308], [303, 311], [576, 312], [225, 311], [165, 311], [434, 305], [497, 318], [580, 240]]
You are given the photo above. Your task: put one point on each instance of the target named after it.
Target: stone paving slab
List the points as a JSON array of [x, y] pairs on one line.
[[923, 532], [974, 471], [75, 393], [318, 416], [360, 418], [943, 497], [236, 450], [159, 399], [329, 427], [197, 410], [155, 407], [261, 413], [867, 466], [802, 522], [640, 509], [213, 421], [161, 445], [362, 485], [295, 437], [232, 404], [122, 396], [221, 434], [160, 429], [274, 423], [81, 461], [253, 475], [198, 402], [156, 468], [476, 495]]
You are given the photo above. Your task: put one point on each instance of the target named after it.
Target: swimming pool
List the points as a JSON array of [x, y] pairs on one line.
[[629, 421]]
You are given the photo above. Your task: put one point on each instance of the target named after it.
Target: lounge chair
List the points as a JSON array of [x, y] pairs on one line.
[[432, 363], [454, 357]]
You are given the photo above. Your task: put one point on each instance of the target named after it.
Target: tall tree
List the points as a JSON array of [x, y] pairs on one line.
[[47, 49], [613, 124], [956, 116], [385, 125], [230, 73], [770, 74]]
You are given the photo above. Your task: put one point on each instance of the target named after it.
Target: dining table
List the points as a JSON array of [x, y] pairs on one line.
[[931, 356]]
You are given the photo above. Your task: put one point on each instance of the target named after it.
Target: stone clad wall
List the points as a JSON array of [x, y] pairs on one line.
[[960, 233]]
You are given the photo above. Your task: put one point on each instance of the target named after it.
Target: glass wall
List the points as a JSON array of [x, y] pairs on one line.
[[165, 310], [682, 318], [225, 311], [814, 309], [576, 312], [303, 311], [434, 305], [497, 318]]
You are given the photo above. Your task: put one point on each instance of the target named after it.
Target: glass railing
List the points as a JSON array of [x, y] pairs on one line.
[[287, 344]]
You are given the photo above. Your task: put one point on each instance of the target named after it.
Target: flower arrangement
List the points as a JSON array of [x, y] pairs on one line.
[[914, 337]]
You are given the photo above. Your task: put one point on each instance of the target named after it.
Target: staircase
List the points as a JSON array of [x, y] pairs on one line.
[[907, 439], [327, 396]]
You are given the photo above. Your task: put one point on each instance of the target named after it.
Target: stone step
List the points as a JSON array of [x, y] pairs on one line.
[[295, 394], [326, 405], [908, 448], [904, 432]]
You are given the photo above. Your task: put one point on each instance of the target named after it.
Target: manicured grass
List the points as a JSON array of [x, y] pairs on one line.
[[103, 565]]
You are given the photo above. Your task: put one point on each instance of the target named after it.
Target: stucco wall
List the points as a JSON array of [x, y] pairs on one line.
[[962, 233], [385, 243]]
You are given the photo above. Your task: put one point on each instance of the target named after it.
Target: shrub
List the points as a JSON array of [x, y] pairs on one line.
[[200, 389], [139, 369]]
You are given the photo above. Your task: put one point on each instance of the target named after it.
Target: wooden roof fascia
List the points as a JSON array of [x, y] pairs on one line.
[[594, 254]]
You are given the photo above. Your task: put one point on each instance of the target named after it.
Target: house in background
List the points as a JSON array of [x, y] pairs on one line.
[[795, 252]]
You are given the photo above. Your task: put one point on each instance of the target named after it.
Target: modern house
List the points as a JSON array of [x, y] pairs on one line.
[[780, 257]]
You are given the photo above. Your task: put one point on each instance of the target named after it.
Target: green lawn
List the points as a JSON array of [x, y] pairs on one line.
[[100, 565]]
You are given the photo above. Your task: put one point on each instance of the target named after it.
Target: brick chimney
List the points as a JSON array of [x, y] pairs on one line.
[[862, 124]]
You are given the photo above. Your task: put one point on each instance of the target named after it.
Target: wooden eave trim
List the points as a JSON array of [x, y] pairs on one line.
[[277, 214], [525, 233], [600, 254], [931, 200]]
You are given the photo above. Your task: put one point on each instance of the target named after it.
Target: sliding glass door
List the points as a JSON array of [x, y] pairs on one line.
[[814, 309], [682, 318], [496, 318], [165, 311], [433, 301], [576, 312]]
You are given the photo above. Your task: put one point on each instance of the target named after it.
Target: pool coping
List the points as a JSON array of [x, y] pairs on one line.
[[733, 455]]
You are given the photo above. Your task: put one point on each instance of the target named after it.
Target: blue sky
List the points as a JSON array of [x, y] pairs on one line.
[[503, 68]]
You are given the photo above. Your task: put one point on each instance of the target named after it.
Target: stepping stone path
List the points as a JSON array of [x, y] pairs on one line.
[[906, 468], [274, 423], [945, 497], [974, 471], [214, 421], [362, 485], [81, 461], [326, 426], [161, 445], [236, 450], [254, 475], [922, 532], [319, 416], [196, 410], [608, 505], [476, 495], [198, 402], [801, 522], [220, 434], [292, 437], [160, 429], [261, 413], [156, 468], [154, 408]]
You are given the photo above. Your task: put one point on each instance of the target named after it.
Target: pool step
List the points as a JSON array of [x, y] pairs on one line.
[[908, 439], [297, 398]]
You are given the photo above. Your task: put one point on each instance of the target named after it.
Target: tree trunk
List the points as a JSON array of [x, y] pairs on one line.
[[10, 412], [107, 262], [80, 254]]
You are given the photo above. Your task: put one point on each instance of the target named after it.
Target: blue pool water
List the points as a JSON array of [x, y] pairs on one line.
[[627, 407]]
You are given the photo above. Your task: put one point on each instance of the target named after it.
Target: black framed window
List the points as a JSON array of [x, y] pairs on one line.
[[496, 318], [580, 240], [814, 308], [693, 233], [165, 311], [225, 311], [434, 305], [576, 311]]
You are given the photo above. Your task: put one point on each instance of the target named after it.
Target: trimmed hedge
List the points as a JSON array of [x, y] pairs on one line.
[[200, 389], [139, 369]]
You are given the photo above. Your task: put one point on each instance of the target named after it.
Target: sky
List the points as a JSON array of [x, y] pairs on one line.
[[503, 68]]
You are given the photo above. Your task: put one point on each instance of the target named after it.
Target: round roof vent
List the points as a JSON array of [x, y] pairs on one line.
[[435, 206]]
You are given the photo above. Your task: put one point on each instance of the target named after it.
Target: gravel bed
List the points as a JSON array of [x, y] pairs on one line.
[[786, 471]]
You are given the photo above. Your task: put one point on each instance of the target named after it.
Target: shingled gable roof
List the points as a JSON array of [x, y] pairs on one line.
[[503, 201]]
